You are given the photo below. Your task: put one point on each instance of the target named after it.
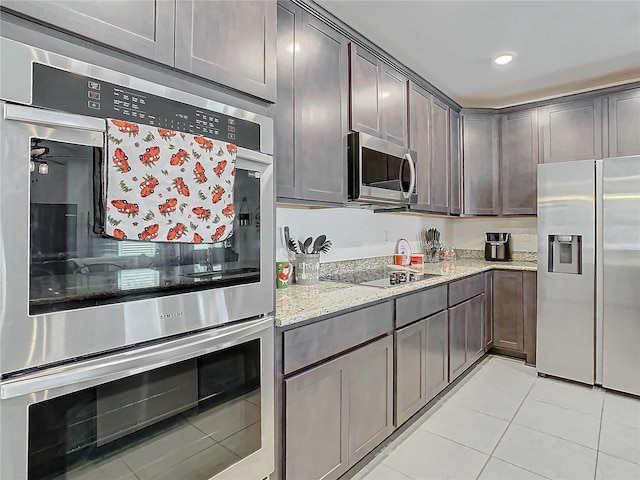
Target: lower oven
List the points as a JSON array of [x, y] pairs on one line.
[[196, 407], [67, 292]]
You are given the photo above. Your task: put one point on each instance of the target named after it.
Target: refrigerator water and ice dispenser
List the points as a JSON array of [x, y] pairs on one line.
[[565, 254]]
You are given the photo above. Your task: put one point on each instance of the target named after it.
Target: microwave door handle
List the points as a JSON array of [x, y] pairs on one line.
[[412, 169]]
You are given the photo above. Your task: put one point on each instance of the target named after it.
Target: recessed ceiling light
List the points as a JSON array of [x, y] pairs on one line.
[[504, 58]]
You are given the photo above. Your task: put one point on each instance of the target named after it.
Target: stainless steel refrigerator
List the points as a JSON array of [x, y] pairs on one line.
[[589, 272]]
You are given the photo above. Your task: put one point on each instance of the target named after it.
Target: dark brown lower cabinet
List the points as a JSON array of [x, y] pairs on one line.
[[466, 339], [421, 366], [488, 311], [508, 314], [338, 412], [530, 305], [514, 309]]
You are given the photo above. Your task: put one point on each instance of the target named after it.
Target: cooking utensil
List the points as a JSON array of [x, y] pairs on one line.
[[326, 246], [291, 245], [287, 237], [301, 245], [307, 244], [318, 243]]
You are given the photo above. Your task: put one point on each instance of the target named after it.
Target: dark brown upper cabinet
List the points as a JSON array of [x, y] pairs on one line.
[[481, 163], [624, 123], [455, 163], [378, 97], [231, 43], [311, 113], [144, 28], [519, 162], [429, 137], [571, 131]]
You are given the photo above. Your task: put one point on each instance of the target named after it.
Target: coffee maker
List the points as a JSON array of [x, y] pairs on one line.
[[497, 247]]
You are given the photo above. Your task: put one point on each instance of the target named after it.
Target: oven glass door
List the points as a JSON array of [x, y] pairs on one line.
[[188, 420], [72, 266]]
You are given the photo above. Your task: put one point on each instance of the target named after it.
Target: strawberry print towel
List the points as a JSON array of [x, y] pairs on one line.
[[167, 186]]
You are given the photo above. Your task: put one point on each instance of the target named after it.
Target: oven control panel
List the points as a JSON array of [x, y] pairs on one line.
[[69, 92]]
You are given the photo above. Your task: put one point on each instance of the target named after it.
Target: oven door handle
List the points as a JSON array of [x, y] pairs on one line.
[[64, 379], [39, 116]]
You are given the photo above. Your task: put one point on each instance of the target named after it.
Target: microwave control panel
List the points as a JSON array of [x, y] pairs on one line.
[[69, 92]]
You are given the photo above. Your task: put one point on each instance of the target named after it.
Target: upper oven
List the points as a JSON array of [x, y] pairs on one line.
[[380, 171], [67, 290]]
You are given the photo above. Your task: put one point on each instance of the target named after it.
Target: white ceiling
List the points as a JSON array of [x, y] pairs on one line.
[[562, 46]]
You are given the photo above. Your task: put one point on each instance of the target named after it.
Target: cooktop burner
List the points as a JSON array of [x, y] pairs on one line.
[[383, 278]]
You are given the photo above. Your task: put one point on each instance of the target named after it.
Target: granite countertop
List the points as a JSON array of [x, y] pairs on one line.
[[299, 303]]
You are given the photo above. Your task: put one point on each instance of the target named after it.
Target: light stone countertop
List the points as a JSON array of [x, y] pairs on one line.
[[299, 303]]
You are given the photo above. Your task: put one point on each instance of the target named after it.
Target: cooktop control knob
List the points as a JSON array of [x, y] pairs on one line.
[[402, 277], [412, 277], [392, 278]]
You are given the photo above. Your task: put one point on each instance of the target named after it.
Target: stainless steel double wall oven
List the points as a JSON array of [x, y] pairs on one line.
[[119, 358]]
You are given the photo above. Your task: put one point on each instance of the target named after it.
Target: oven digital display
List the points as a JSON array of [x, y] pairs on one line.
[[73, 93]]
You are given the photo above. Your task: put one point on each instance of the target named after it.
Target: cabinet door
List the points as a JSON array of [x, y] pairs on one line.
[[419, 118], [370, 398], [488, 311], [316, 422], [519, 163], [393, 96], [285, 115], [530, 314], [624, 124], [144, 27], [457, 340], [480, 161], [231, 43], [410, 371], [437, 354], [508, 325], [475, 328], [439, 142], [571, 131], [321, 97], [365, 76], [455, 164]]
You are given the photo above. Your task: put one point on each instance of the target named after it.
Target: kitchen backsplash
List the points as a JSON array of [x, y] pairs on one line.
[[355, 232], [360, 233], [469, 232]]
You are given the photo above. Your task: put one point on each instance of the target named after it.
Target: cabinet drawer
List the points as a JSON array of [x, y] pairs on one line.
[[309, 344], [464, 289], [420, 305]]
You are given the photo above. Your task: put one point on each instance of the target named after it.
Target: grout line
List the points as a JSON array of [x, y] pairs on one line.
[[599, 435], [505, 431]]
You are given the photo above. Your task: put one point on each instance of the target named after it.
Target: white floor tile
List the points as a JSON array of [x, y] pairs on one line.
[[473, 429], [613, 468], [113, 469], [620, 440], [621, 409], [512, 364], [546, 455], [489, 400], [580, 398], [383, 472], [498, 470], [428, 456], [505, 378], [560, 422]]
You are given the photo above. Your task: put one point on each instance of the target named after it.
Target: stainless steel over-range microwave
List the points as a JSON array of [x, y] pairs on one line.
[[380, 172]]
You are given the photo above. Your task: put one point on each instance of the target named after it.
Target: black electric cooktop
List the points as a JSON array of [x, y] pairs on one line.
[[383, 278]]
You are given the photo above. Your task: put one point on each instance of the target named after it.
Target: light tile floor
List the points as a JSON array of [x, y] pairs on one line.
[[502, 422]]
